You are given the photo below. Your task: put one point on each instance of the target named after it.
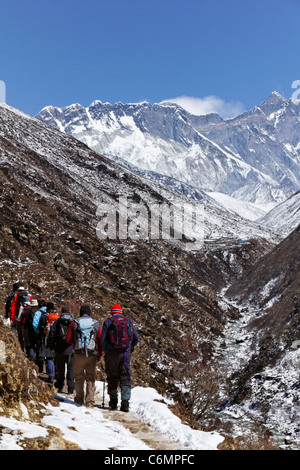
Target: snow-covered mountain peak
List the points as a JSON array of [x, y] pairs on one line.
[[256, 153]]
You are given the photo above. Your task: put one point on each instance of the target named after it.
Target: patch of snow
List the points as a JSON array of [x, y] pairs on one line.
[[92, 429]]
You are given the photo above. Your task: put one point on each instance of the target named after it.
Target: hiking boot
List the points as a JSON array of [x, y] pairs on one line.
[[113, 404], [125, 406], [58, 387], [78, 402]]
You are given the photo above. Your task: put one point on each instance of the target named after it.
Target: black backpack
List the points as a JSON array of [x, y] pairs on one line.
[[23, 299], [28, 315], [63, 324], [8, 302]]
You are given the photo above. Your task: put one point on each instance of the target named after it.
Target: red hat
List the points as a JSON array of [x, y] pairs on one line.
[[116, 309]]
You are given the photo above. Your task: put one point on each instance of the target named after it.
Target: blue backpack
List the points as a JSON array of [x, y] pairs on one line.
[[85, 335]]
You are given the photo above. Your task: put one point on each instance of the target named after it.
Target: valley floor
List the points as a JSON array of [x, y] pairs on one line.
[[274, 399]]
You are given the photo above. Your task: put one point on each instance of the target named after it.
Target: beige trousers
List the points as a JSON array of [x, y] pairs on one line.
[[85, 371]]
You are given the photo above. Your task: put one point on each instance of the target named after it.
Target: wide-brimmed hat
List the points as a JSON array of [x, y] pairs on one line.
[[34, 303]]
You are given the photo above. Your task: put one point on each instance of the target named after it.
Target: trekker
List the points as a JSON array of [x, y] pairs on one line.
[[29, 335], [118, 340], [10, 298], [39, 334], [16, 313], [84, 333], [63, 350], [45, 353]]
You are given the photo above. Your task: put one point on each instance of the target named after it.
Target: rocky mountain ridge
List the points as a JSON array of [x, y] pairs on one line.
[[256, 152]]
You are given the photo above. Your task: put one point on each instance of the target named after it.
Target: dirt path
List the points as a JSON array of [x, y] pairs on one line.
[[140, 430]]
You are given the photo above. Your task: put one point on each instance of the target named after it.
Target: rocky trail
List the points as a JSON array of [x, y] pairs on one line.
[[130, 421], [142, 431]]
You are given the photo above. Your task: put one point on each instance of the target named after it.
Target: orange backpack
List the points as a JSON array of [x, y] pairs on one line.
[[51, 317]]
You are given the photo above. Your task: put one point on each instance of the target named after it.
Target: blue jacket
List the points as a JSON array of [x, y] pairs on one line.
[[36, 319], [107, 347]]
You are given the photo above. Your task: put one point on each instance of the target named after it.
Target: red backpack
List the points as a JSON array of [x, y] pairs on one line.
[[120, 332]]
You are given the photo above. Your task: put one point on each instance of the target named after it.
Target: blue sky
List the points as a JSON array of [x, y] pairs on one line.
[[217, 55]]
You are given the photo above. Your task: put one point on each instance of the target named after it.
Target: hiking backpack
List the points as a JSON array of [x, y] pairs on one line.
[[85, 335], [120, 332], [63, 325], [23, 299], [8, 302], [51, 317], [27, 315]]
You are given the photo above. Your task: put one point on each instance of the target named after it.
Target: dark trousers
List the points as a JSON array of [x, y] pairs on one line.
[[118, 370], [64, 364], [19, 331]]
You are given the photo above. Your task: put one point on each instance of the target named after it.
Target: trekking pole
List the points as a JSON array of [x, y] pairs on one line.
[[103, 392]]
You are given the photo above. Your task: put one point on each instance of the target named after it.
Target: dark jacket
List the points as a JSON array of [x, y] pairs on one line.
[[28, 320], [44, 350], [56, 340], [106, 344], [8, 302]]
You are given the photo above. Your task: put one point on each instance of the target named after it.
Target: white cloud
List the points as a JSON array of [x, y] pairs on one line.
[[208, 105]]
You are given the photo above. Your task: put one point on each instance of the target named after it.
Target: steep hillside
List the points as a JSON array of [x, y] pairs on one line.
[[51, 185], [273, 282], [266, 387], [285, 217]]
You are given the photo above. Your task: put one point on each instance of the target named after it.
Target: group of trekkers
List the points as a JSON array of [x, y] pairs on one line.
[[69, 348]]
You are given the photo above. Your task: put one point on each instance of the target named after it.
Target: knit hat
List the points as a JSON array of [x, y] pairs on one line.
[[16, 285], [50, 306], [116, 309], [85, 310], [65, 309]]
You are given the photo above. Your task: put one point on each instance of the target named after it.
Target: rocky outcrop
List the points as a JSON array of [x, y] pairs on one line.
[[22, 394]]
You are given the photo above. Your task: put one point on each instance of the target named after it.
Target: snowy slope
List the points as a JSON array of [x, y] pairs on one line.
[[244, 209], [83, 165], [259, 148], [159, 138], [285, 217], [274, 390], [95, 429]]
